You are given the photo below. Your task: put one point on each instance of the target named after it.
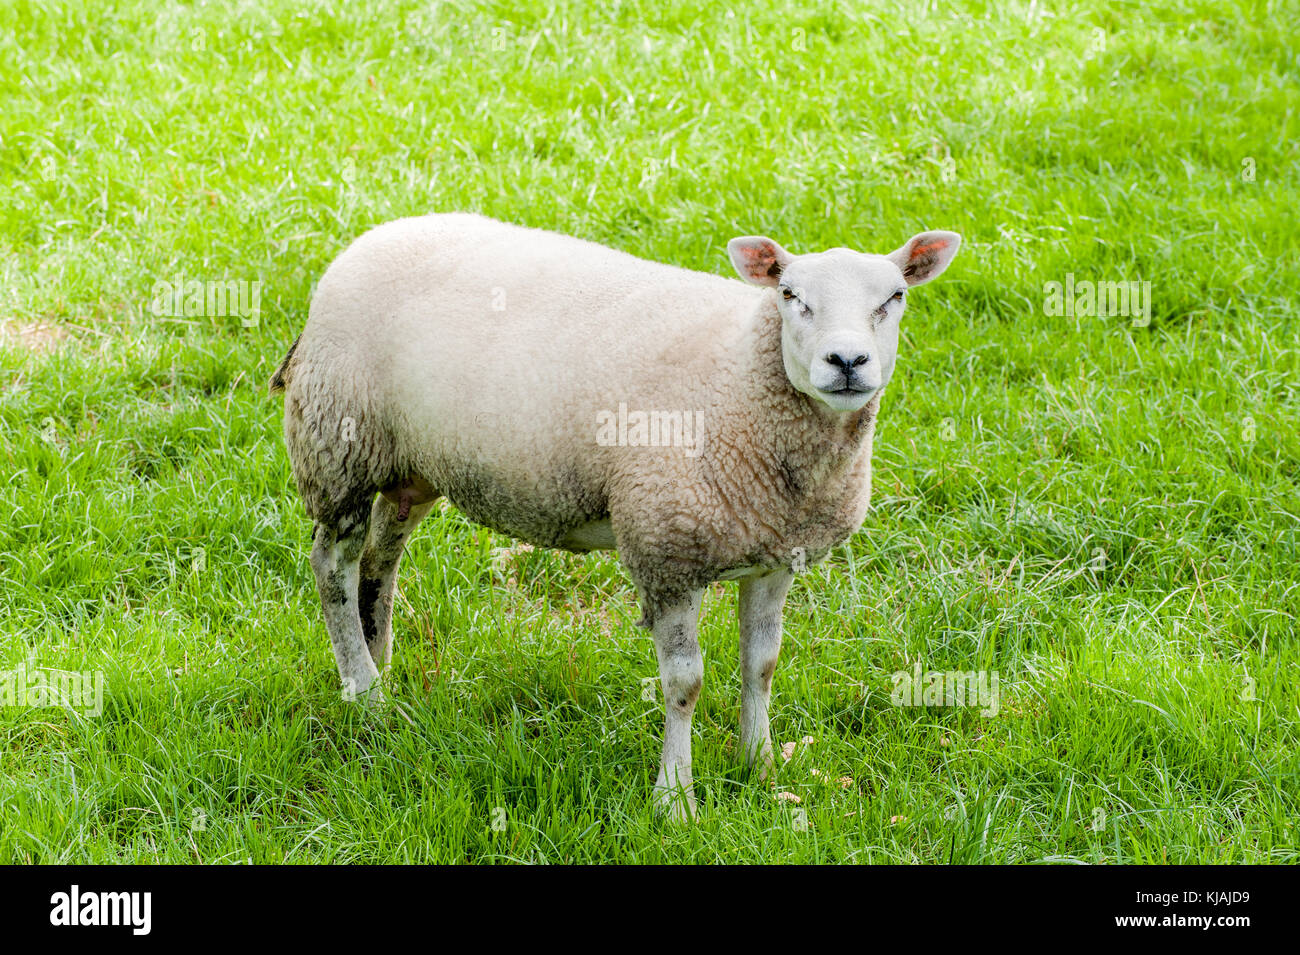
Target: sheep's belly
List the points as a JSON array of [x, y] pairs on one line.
[[594, 535], [548, 510]]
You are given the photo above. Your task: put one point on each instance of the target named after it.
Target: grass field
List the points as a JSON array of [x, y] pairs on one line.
[[1104, 511]]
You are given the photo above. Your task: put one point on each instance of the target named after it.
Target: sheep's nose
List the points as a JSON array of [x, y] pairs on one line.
[[847, 365]]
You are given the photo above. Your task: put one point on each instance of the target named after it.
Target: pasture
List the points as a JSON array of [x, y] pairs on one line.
[[1099, 505]]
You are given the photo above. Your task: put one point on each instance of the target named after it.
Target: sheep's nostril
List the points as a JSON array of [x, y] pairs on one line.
[[846, 365]]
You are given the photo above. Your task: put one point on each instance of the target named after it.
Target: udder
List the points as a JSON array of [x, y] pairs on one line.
[[406, 494]]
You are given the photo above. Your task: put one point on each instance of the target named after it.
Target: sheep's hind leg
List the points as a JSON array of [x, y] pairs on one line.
[[395, 515], [336, 559], [681, 674]]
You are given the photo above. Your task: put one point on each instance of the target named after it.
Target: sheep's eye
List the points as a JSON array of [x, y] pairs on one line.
[[786, 293], [883, 310]]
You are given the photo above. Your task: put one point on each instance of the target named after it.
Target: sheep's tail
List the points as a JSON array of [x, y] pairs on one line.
[[281, 376]]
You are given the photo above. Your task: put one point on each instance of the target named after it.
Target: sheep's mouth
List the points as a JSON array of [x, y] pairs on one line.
[[847, 398]]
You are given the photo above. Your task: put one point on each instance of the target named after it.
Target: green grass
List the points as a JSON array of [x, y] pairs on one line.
[[1107, 515]]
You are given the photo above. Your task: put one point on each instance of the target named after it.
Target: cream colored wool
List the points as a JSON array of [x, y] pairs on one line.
[[455, 356]]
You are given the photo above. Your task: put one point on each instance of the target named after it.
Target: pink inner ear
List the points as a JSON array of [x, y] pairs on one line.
[[921, 250], [759, 260]]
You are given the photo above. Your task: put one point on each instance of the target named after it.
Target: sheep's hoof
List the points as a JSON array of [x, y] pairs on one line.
[[675, 805], [764, 770], [371, 697], [760, 762], [375, 703]]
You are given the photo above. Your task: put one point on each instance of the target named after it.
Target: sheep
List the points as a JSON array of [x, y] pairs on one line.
[[454, 356]]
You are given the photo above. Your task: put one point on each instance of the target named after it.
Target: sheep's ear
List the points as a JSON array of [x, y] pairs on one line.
[[758, 259], [925, 255]]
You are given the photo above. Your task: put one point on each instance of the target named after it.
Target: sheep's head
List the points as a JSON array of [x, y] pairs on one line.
[[840, 309]]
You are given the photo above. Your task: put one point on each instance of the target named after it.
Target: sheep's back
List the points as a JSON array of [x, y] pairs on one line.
[[489, 350]]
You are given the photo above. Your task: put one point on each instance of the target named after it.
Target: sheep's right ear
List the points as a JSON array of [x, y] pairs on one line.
[[758, 259]]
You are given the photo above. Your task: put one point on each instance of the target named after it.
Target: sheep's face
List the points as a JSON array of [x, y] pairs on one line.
[[840, 310]]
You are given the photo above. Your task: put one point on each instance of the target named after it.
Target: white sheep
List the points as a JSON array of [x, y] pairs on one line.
[[531, 378]]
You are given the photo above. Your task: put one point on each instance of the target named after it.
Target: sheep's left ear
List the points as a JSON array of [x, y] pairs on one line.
[[925, 255], [758, 259]]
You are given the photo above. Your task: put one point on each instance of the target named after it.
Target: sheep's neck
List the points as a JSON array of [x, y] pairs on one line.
[[803, 438], [792, 477]]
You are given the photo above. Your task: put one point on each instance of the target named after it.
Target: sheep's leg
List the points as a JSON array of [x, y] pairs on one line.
[[761, 602], [681, 673], [391, 523], [336, 559]]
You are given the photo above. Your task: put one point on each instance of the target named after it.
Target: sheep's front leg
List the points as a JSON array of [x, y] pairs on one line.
[[336, 559], [761, 602], [681, 674]]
